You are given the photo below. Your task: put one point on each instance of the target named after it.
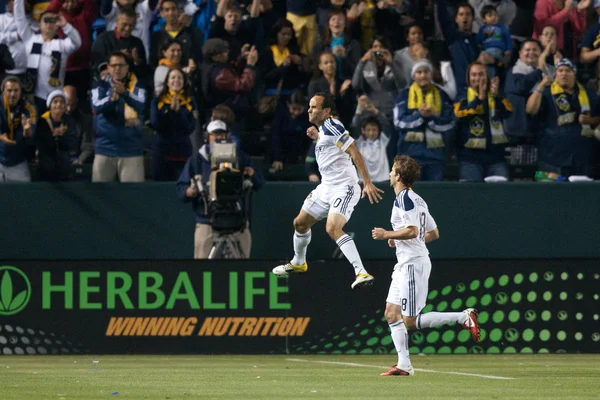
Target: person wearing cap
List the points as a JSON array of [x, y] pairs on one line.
[[56, 139], [480, 136], [47, 54], [118, 104], [18, 118], [172, 116], [423, 116], [566, 113], [192, 186], [221, 82]]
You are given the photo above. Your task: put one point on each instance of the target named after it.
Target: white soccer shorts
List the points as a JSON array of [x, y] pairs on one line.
[[325, 200], [410, 283]]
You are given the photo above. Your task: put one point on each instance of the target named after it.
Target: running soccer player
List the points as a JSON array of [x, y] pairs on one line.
[[414, 227]]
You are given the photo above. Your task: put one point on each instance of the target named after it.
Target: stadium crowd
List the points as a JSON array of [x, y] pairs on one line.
[[127, 88]]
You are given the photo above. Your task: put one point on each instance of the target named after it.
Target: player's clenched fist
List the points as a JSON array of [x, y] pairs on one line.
[[312, 133]]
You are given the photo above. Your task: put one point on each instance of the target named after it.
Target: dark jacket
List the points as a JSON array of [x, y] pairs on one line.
[[246, 33], [289, 140], [345, 104], [198, 167], [271, 74], [11, 155], [173, 129], [517, 89], [55, 151], [113, 138], [348, 63]]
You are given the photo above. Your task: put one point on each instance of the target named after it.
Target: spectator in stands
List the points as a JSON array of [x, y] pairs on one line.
[[143, 9], [520, 81], [281, 61], [18, 118], [372, 144], [229, 26], [326, 7], [590, 52], [221, 82], [56, 139], [193, 182], [189, 37], [6, 60], [495, 40], [464, 49], [507, 10], [118, 103], [567, 113], [81, 14], [9, 36], [480, 135], [310, 164], [288, 132], [84, 127], [443, 75], [423, 116], [303, 15], [552, 53], [121, 39], [392, 20], [172, 116], [379, 77], [171, 58], [361, 21], [366, 109], [47, 55], [336, 39], [568, 18], [405, 58], [331, 82]]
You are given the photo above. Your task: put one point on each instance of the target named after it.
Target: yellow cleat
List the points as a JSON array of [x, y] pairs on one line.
[[290, 268]]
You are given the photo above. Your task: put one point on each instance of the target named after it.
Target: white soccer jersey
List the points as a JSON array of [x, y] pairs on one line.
[[411, 210], [335, 165]]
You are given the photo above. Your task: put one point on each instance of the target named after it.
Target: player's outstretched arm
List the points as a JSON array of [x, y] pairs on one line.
[[369, 189]]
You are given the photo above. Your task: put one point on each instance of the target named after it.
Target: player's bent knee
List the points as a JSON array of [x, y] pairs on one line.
[[301, 225], [410, 322]]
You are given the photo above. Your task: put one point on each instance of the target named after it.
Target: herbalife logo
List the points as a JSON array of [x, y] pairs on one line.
[[15, 290]]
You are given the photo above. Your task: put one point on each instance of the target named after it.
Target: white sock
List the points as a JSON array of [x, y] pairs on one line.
[[301, 241], [433, 319], [400, 339], [347, 246]]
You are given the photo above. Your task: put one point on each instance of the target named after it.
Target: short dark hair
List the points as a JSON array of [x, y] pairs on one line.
[[120, 54], [371, 121], [531, 40], [465, 4], [328, 101], [13, 79], [297, 98], [128, 11], [408, 169], [412, 25], [168, 43], [168, 1], [487, 9]]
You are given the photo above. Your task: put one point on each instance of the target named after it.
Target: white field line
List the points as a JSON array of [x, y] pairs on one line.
[[416, 369]]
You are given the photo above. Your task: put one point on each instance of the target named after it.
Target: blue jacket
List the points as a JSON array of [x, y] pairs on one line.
[[517, 89], [410, 120], [500, 39], [198, 166], [474, 122], [173, 129], [564, 146], [11, 155], [113, 138], [463, 46]]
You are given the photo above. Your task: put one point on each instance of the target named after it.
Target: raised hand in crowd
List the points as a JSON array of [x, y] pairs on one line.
[[4, 139], [252, 56], [27, 126]]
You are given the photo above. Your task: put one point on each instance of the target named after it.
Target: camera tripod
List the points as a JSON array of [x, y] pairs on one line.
[[225, 247]]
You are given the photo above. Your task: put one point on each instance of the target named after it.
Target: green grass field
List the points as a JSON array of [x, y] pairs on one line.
[[298, 377]]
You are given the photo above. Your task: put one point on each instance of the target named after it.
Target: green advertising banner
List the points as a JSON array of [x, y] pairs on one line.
[[206, 307]]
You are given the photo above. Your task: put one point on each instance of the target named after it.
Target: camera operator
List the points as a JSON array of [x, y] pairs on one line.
[[193, 186]]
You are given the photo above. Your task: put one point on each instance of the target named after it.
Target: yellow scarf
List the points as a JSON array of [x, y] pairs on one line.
[[183, 100], [566, 113], [432, 99], [12, 121], [478, 130], [131, 116], [49, 120], [279, 56], [168, 63]]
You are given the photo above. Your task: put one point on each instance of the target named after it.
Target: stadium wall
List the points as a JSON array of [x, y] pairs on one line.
[[239, 307], [147, 221]]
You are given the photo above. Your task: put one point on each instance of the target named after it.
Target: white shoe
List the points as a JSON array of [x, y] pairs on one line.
[[289, 268], [362, 280], [471, 324]]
